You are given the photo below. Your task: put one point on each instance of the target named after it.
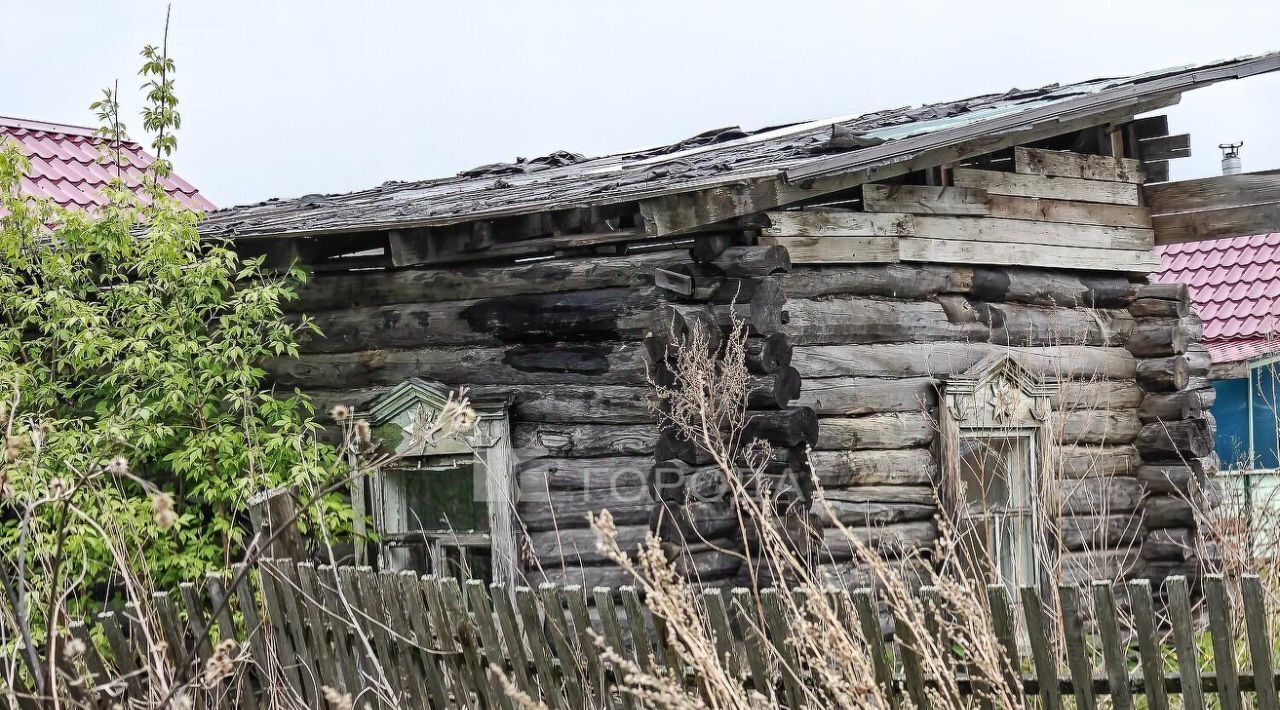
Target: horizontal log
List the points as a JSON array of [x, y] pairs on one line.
[[1170, 544], [588, 577], [354, 289], [1082, 568], [1078, 461], [1157, 338], [1174, 441], [1100, 532], [541, 475], [602, 363], [919, 199], [694, 521], [855, 396], [745, 261], [1163, 374], [1061, 163], [1198, 360], [1104, 495], [839, 544], [673, 444], [576, 547], [1059, 188], [534, 440], [907, 282], [898, 430], [1169, 511], [853, 320], [1177, 478], [787, 428], [916, 495], [602, 404], [1158, 308], [1098, 394], [1061, 362], [706, 566], [909, 573], [871, 513], [569, 509], [1095, 426], [675, 481], [843, 469]]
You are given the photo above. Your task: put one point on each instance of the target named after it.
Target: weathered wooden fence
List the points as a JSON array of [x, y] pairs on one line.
[[432, 642]]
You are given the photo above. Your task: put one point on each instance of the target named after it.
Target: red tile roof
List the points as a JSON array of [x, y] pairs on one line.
[[66, 165], [1235, 287]]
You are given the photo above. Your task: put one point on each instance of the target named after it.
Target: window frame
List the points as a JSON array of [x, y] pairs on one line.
[[999, 398]]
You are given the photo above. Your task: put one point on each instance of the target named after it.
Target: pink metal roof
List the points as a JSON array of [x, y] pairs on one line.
[[1235, 287], [67, 165]]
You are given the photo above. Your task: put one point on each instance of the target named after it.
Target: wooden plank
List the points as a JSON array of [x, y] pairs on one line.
[[481, 610], [1223, 637], [864, 603], [1212, 193], [727, 651], [753, 636], [637, 621], [961, 201], [1004, 625], [1260, 649], [527, 603], [1042, 654], [1184, 639], [347, 648], [837, 223], [413, 688], [838, 250], [1216, 224], [124, 660], [1061, 188], [1157, 171], [513, 639], [597, 685], [1020, 231], [908, 643], [1149, 649], [1151, 127], [1061, 163], [254, 630], [953, 251], [1165, 147], [779, 631], [1078, 662], [608, 610], [464, 628], [1113, 653]]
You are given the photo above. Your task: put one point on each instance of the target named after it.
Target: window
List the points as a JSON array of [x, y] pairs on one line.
[[1245, 411], [997, 510], [443, 508], [993, 441]]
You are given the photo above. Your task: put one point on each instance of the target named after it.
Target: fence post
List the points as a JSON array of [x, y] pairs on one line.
[[270, 510]]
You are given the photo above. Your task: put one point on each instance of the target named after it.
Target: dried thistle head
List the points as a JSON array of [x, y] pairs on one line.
[[162, 511], [74, 649], [118, 466], [340, 412], [363, 432]]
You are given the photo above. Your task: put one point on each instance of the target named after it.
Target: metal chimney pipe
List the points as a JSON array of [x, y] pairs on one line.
[[1231, 158]]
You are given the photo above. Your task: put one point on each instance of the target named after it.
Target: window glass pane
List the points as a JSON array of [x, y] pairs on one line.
[[440, 499], [997, 536], [1231, 410], [1264, 392]]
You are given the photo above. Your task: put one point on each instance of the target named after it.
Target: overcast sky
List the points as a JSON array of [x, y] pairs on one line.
[[288, 98]]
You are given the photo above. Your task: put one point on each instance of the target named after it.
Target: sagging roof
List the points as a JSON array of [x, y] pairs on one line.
[[791, 153], [70, 167], [1235, 288]]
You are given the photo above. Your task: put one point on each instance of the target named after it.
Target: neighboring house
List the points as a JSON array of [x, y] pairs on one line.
[[68, 165], [949, 315]]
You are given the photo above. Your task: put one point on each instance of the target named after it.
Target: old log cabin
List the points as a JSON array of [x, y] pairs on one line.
[[949, 315]]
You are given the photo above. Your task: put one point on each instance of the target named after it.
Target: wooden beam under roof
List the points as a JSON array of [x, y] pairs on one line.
[[678, 213], [1214, 208]]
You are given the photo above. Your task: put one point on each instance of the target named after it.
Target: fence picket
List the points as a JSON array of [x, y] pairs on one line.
[[1179, 600], [468, 639], [527, 603], [868, 614], [636, 621], [1144, 623], [558, 630], [1004, 625], [608, 611], [1045, 660], [478, 601], [779, 633], [286, 656], [583, 630], [1260, 648], [1078, 662], [254, 632], [1224, 648], [1113, 656], [753, 634], [722, 631], [122, 655], [346, 647], [513, 640]]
